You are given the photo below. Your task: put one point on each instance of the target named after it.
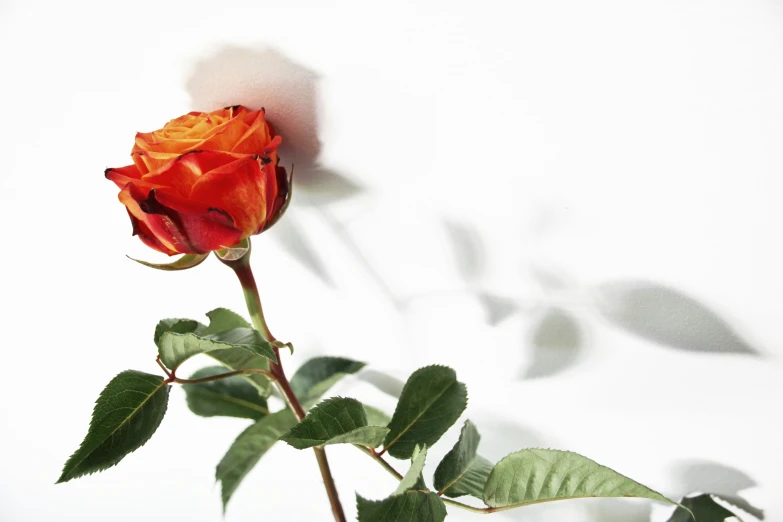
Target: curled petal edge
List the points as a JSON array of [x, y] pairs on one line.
[[281, 204]]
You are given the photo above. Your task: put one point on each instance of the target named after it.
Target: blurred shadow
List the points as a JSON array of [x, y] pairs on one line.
[[266, 78], [467, 248], [389, 385], [668, 317], [550, 279], [557, 342], [499, 436], [294, 240], [496, 307], [470, 260], [620, 510], [717, 479], [289, 92]]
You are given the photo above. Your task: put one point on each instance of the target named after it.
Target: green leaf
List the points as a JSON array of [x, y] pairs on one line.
[[462, 472], [431, 401], [413, 479], [176, 348], [319, 374], [532, 476], [411, 506], [703, 508], [179, 340], [335, 421], [222, 319], [230, 397], [177, 326], [376, 417], [241, 359], [183, 263], [126, 414], [247, 450]]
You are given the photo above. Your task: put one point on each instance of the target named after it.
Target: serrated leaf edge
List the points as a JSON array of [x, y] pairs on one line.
[[408, 427], [156, 390], [533, 502]]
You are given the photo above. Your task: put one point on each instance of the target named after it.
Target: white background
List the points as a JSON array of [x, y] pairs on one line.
[[574, 204]]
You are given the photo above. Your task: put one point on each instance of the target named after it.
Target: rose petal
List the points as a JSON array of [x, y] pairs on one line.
[[150, 142], [240, 188], [205, 228], [183, 172], [123, 175], [147, 237], [227, 135], [280, 203], [160, 227], [256, 137]]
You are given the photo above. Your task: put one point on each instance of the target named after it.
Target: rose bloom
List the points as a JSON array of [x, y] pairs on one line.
[[203, 182]]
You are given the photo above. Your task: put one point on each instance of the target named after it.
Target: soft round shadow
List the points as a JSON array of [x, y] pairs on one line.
[[557, 341], [288, 91]]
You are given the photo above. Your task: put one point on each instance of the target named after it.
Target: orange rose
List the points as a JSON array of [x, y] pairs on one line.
[[203, 182]]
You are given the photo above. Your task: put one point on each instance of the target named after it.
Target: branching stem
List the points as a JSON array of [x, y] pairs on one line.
[[377, 456], [243, 271]]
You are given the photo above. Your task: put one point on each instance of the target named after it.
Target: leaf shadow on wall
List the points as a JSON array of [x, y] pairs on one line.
[[555, 343], [723, 481], [558, 336], [470, 262], [266, 78], [558, 339], [388, 384], [668, 317]]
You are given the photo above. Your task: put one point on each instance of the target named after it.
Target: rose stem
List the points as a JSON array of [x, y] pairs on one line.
[[243, 271]]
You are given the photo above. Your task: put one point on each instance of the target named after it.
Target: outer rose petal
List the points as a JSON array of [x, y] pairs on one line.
[[204, 229], [196, 232], [179, 174], [281, 201], [147, 237], [159, 227], [240, 188], [122, 175]]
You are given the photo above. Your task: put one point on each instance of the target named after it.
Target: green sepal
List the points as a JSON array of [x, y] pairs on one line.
[[183, 263], [235, 252]]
